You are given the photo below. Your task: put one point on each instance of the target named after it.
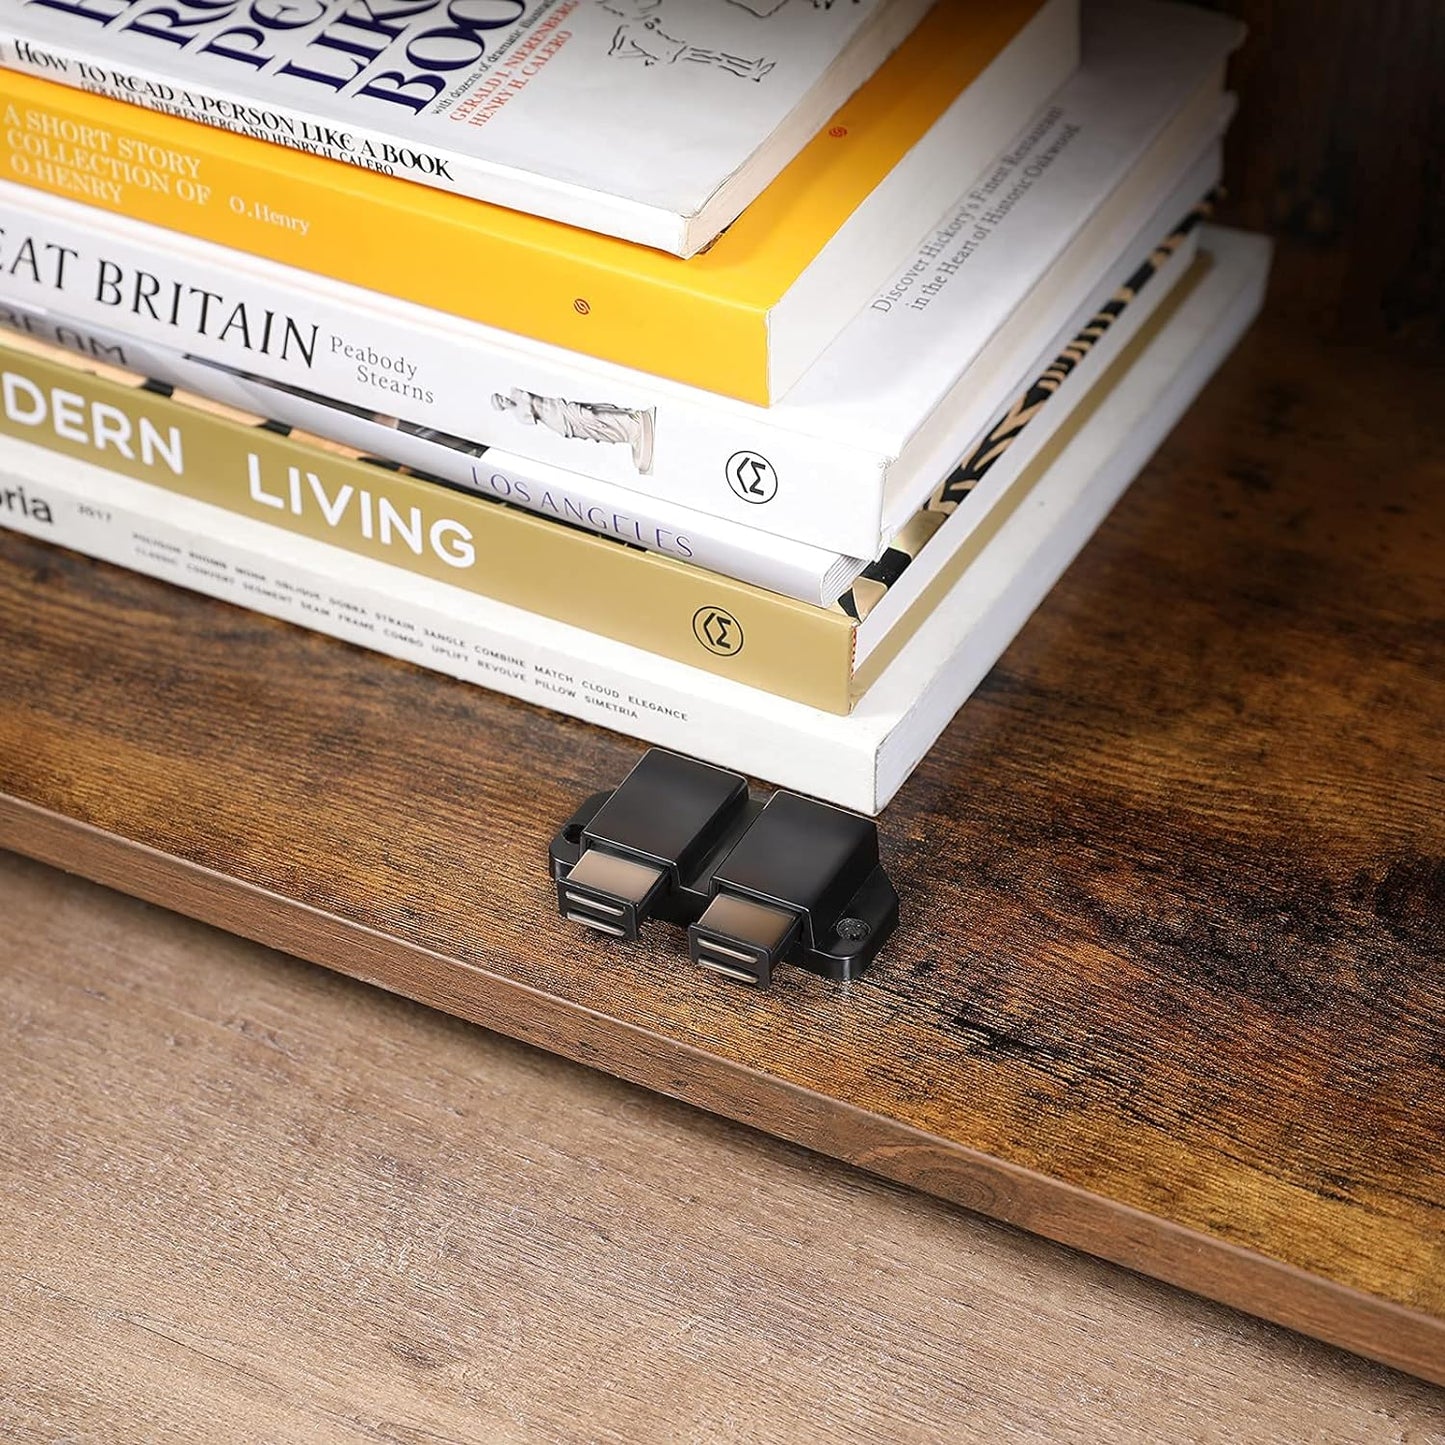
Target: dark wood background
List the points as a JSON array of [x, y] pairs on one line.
[[1171, 983], [351, 1221], [1339, 152], [1171, 989]]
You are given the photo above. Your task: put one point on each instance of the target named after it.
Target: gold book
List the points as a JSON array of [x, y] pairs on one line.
[[215, 454]]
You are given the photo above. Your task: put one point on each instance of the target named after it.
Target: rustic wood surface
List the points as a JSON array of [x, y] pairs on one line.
[[1172, 982], [242, 1199], [1335, 151]]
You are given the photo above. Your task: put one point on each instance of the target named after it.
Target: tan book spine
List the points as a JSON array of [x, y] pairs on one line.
[[106, 416]]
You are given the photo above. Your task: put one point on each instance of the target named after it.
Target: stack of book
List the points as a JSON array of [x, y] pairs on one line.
[[738, 374]]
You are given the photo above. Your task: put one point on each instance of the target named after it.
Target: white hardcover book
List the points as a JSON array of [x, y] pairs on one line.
[[657, 121], [858, 761], [855, 446], [811, 574], [794, 569], [1008, 454]]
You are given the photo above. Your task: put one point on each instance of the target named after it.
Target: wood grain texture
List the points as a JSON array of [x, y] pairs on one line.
[[246, 1200], [1170, 987], [1336, 152]]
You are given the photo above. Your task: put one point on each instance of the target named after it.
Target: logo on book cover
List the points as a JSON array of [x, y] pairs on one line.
[[751, 476], [718, 631]]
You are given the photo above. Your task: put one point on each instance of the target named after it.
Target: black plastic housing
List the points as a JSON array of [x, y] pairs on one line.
[[810, 874], [821, 863], [672, 812]]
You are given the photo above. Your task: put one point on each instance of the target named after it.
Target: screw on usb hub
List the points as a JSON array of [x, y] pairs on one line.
[[792, 881]]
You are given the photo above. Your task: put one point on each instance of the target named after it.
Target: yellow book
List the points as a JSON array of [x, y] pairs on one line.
[[744, 318]]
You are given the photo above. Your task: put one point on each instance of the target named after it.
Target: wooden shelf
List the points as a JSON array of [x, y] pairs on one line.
[[1170, 986]]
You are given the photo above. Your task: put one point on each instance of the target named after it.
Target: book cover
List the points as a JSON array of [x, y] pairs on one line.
[[858, 761], [845, 459], [197, 447], [810, 574], [795, 569], [652, 120], [769, 294], [1006, 466], [235, 460]]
